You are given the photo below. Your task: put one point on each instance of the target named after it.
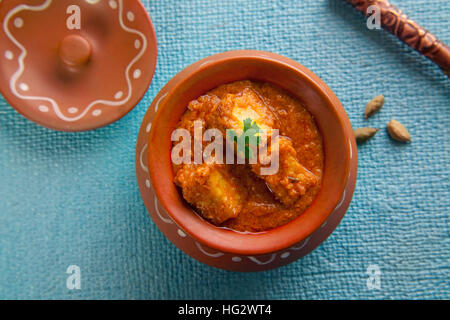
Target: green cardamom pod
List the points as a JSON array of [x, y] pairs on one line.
[[365, 134], [374, 106], [398, 131]]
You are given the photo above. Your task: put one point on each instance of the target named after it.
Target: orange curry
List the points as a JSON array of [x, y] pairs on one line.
[[237, 196]]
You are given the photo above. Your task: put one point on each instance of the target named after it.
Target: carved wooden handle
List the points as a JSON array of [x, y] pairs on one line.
[[408, 31]]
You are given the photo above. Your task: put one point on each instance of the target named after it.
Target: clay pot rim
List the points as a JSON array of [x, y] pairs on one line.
[[225, 240]]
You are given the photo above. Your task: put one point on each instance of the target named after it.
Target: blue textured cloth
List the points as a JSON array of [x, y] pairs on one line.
[[72, 198]]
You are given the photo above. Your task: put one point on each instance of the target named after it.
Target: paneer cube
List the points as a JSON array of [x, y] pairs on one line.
[[292, 179], [212, 190]]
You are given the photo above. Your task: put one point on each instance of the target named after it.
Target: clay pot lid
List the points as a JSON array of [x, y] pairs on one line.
[[75, 65]]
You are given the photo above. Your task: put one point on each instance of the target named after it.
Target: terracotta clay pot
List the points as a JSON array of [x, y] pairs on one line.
[[228, 249], [75, 65]]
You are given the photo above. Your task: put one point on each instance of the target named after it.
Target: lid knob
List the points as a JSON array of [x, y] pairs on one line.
[[75, 50]]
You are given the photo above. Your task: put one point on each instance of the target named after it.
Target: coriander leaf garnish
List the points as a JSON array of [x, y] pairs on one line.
[[248, 138]]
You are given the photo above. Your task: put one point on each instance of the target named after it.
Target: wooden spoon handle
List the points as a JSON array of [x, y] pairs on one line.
[[408, 31]]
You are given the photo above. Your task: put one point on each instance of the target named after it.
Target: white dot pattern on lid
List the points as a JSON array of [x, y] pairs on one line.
[[43, 108], [130, 16], [9, 55], [137, 73], [118, 95], [24, 87], [18, 23], [113, 4]]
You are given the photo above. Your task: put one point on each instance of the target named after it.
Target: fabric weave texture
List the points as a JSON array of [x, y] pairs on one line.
[[72, 198]]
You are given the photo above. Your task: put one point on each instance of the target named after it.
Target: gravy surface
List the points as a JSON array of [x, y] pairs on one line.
[[251, 204]]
